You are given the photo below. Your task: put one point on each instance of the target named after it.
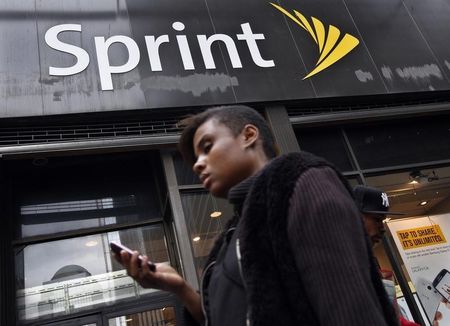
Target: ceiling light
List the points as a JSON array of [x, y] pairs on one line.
[[423, 203], [196, 239], [91, 243], [216, 214]]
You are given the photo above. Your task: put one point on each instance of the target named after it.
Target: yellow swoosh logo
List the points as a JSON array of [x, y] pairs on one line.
[[331, 48]]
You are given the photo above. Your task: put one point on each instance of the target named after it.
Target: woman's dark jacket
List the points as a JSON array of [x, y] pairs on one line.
[[306, 259]]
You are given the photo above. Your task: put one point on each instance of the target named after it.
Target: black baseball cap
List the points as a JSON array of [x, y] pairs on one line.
[[372, 200]]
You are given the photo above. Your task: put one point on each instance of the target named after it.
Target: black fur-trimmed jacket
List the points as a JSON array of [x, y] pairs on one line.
[[306, 259]]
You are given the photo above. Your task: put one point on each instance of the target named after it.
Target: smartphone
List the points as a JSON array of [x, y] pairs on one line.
[[117, 248], [442, 283], [429, 297]]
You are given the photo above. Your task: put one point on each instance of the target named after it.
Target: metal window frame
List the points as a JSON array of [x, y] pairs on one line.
[[282, 130], [88, 147], [369, 114], [182, 231]]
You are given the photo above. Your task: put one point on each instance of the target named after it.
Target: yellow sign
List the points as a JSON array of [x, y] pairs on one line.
[[330, 50], [421, 237]]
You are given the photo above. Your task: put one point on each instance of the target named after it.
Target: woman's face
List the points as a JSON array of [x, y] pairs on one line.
[[223, 159]]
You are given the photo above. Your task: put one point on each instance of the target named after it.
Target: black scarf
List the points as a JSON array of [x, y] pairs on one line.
[[273, 285]]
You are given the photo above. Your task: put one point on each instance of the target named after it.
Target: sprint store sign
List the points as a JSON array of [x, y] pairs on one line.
[[332, 45]]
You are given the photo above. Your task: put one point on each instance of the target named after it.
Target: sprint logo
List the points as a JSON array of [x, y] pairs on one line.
[[331, 48]]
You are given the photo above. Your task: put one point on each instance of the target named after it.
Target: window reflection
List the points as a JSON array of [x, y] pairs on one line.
[[79, 205], [66, 276], [70, 215], [164, 316], [53, 217], [86, 192]]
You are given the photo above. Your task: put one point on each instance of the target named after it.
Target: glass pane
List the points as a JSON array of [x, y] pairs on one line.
[[66, 276], [401, 143], [184, 173], [353, 181], [206, 217], [156, 317], [416, 192], [85, 192], [327, 143]]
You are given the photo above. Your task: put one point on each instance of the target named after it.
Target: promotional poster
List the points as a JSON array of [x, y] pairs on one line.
[[425, 250]]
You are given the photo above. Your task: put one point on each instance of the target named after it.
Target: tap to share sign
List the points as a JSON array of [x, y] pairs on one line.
[[425, 252], [421, 237]]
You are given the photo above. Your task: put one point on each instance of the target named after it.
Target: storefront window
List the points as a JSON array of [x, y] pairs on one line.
[[421, 235], [416, 192], [327, 143], [422, 244], [66, 276], [206, 217], [184, 172], [405, 142]]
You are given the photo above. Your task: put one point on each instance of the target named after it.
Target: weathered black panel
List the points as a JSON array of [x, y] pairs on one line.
[[82, 92], [432, 19], [20, 87], [175, 86], [402, 48], [397, 46]]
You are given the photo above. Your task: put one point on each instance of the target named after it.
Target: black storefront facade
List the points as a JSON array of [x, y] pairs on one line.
[[90, 99]]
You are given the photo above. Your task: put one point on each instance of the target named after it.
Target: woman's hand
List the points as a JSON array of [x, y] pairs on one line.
[[164, 278]]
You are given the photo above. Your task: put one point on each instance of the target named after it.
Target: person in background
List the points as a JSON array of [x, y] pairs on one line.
[[279, 260], [374, 207]]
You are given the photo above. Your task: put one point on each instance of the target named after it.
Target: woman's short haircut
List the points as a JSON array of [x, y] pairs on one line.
[[235, 117]]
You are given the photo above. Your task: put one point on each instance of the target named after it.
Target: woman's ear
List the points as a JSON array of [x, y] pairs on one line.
[[250, 134]]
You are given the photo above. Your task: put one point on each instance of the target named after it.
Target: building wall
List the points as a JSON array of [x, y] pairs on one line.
[[75, 57]]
